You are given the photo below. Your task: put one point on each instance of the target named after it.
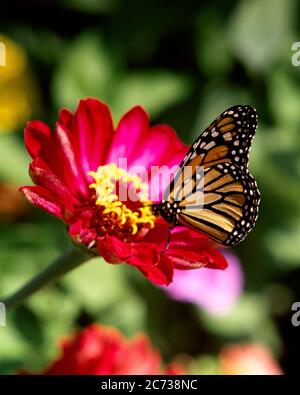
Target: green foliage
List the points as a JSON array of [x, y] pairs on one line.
[[248, 320], [89, 69], [185, 62], [260, 32], [13, 160], [90, 6]]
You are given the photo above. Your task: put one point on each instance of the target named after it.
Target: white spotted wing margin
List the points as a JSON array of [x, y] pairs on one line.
[[234, 128]]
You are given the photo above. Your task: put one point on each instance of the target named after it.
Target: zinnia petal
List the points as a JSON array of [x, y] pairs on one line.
[[213, 290], [132, 130], [144, 256], [37, 135], [41, 199], [93, 131]]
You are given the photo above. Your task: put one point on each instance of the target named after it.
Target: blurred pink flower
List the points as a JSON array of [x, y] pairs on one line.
[[213, 290]]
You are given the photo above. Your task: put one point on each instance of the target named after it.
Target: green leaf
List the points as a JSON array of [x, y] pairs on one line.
[[260, 32], [13, 160], [57, 311], [87, 70], [28, 325], [284, 99], [156, 90], [212, 50], [13, 348], [97, 284], [281, 244]]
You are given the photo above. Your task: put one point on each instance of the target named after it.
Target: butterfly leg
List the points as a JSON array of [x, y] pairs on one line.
[[169, 239]]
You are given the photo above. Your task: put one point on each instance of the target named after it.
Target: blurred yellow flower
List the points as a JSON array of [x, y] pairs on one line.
[[16, 86], [12, 205]]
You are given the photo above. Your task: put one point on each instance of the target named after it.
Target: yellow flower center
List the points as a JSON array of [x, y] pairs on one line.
[[123, 207]]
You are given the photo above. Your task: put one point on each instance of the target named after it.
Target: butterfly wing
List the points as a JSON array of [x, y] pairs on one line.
[[226, 215], [227, 206]]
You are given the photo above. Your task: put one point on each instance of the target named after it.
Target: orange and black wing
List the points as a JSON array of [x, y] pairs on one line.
[[212, 189], [223, 204], [227, 139]]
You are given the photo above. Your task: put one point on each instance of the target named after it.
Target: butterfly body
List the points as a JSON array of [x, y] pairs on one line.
[[212, 191], [168, 210]]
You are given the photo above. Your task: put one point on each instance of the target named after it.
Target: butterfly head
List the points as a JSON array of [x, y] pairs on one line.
[[167, 210]]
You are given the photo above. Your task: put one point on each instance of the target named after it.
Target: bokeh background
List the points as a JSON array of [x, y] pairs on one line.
[[185, 62]]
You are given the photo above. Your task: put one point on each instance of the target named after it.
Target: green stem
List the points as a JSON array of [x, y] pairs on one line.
[[71, 259]]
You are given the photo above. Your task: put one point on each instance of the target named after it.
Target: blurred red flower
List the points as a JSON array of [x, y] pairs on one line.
[[77, 179], [249, 358], [103, 350]]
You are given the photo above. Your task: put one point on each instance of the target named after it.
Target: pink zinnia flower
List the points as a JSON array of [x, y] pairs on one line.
[[215, 291], [75, 173], [104, 350]]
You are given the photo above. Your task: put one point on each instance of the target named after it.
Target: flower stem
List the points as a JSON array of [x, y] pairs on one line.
[[68, 261]]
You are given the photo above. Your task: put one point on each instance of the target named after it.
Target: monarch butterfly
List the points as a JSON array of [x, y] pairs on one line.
[[230, 198]]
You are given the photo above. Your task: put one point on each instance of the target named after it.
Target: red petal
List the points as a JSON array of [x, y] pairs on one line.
[[36, 135], [66, 165], [160, 147], [113, 250], [41, 199], [93, 131], [132, 130], [54, 152], [81, 229], [188, 249], [51, 183], [193, 259], [65, 118], [144, 256], [215, 260], [160, 273]]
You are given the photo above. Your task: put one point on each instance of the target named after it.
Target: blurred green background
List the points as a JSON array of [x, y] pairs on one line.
[[185, 61]]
